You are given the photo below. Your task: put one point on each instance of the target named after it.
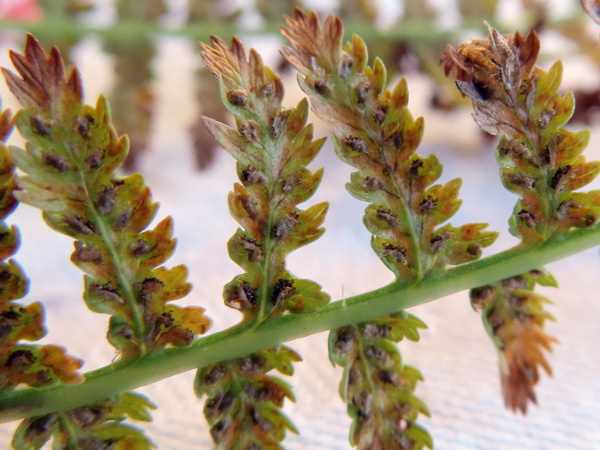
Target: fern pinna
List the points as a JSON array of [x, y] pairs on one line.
[[272, 146], [373, 131], [70, 160], [539, 161]]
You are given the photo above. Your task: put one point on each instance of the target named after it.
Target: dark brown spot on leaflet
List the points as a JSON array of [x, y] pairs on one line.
[[385, 215], [237, 97], [345, 340], [123, 220], [249, 206], [20, 360], [374, 183], [376, 331], [484, 90], [320, 83], [249, 129], [398, 252], [527, 218], [219, 403], [285, 225], [522, 180], [363, 402], [378, 354], [59, 162], [396, 139], [108, 292], [243, 297], [267, 89], [252, 175], [215, 374], [291, 182], [514, 283], [254, 249], [151, 286], [140, 248], [346, 64], [278, 123], [40, 426], [86, 253], [86, 416], [379, 114], [362, 92], [427, 205], [415, 165], [515, 301], [481, 297], [41, 127], [356, 144], [83, 125], [282, 290], [474, 249], [94, 161], [105, 201], [559, 179], [438, 243], [251, 365], [80, 225], [220, 429]]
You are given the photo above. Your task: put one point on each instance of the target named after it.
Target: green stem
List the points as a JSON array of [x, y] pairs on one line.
[[122, 273], [241, 340]]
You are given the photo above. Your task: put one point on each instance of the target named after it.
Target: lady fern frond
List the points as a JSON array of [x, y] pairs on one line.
[[272, 146], [374, 131], [539, 161]]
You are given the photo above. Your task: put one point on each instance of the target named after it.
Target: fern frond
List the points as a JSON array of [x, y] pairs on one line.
[[374, 131], [539, 161], [272, 146], [70, 161]]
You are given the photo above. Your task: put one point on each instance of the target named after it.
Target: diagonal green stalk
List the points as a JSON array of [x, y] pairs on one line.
[[241, 340], [118, 263]]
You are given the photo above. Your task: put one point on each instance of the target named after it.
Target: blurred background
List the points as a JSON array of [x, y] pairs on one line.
[[144, 55]]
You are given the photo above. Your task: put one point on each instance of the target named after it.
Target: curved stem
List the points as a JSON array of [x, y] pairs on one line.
[[241, 340]]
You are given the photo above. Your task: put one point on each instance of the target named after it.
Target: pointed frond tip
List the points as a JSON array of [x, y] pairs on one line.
[[42, 78]]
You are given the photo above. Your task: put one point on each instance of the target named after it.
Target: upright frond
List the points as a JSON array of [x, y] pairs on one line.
[[272, 146]]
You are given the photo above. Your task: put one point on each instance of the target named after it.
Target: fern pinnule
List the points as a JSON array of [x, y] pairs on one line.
[[272, 146], [70, 160]]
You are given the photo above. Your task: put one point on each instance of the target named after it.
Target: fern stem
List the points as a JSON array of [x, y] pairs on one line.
[[242, 340]]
